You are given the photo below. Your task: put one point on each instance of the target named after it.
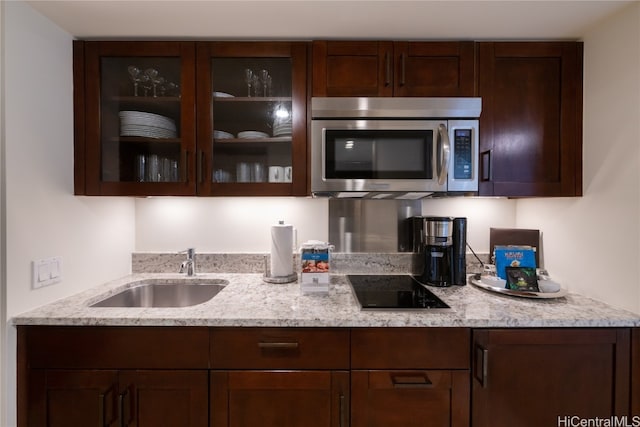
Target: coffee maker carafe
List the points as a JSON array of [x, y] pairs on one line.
[[442, 245]]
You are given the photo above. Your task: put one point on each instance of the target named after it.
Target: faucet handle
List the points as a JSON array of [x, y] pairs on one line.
[[190, 252]]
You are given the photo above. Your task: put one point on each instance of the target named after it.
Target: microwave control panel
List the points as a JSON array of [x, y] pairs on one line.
[[462, 154]]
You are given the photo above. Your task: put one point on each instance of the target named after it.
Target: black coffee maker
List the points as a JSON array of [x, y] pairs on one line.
[[442, 242]]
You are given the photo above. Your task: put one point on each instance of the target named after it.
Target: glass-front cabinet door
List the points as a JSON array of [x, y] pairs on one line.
[[251, 118], [139, 136]]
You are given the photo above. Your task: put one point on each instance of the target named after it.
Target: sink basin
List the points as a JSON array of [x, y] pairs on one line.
[[164, 294]]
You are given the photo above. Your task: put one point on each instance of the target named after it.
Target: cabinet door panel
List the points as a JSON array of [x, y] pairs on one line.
[[72, 398], [530, 126], [410, 398], [352, 68], [279, 398], [251, 109], [164, 398], [532, 377], [135, 101], [434, 69]]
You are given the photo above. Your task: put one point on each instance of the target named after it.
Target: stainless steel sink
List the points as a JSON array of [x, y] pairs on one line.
[[164, 294]]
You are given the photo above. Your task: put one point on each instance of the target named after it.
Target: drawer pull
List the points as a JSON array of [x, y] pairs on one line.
[[278, 345], [481, 368], [411, 381]]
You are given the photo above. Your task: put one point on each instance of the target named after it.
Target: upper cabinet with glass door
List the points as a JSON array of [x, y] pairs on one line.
[[251, 105], [135, 118]]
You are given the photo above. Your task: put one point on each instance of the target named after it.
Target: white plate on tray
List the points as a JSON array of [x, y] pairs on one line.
[[475, 280]]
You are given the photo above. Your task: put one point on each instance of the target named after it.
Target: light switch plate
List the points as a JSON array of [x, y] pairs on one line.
[[45, 272]]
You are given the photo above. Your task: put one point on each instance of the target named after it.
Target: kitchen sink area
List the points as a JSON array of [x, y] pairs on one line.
[[179, 293]]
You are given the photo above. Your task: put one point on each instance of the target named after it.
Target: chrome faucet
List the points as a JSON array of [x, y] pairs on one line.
[[189, 265]]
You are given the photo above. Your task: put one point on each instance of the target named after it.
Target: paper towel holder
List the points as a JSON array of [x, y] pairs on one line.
[[267, 277]]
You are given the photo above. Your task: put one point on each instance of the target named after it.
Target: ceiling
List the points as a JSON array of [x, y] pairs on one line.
[[326, 19]]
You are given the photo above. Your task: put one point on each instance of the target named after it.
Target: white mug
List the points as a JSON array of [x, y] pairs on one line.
[[276, 174], [288, 174]]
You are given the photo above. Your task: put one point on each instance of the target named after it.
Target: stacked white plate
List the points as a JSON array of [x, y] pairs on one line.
[[282, 127], [220, 134], [251, 134], [148, 125], [222, 95]]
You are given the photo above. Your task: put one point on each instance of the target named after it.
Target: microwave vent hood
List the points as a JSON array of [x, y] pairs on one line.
[[389, 107]]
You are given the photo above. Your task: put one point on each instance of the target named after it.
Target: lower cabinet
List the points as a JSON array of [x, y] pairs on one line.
[[325, 377], [108, 398], [83, 376], [409, 377], [544, 377], [410, 398], [279, 398]]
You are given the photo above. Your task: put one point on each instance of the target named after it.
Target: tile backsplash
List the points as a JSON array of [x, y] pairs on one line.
[[341, 263]]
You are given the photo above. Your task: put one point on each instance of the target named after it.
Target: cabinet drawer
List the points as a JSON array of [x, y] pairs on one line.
[[127, 347], [410, 348], [437, 398], [279, 348]]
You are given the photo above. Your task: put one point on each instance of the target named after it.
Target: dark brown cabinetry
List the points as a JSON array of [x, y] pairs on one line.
[[385, 68], [252, 117], [135, 131], [279, 377], [410, 377], [140, 128], [336, 377], [531, 121], [83, 376], [531, 377]]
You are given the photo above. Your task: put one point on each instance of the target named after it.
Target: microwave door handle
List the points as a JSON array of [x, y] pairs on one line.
[[444, 154]]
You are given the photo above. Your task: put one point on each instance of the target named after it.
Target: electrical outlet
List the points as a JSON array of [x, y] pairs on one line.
[[46, 272]]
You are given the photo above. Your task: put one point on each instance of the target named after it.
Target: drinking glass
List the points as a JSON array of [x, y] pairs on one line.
[[152, 73], [264, 78], [248, 78], [134, 75]]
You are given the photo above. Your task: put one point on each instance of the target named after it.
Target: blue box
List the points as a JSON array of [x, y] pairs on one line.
[[513, 256]]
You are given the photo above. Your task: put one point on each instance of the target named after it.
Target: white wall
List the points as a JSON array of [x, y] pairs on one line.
[[3, 276], [592, 244], [241, 224], [94, 236]]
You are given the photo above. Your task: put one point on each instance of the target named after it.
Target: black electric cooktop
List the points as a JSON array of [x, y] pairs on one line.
[[393, 292]]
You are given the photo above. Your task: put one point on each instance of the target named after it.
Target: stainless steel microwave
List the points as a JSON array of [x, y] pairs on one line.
[[394, 147]]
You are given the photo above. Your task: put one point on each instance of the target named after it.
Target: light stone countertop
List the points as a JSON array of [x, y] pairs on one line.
[[247, 301]]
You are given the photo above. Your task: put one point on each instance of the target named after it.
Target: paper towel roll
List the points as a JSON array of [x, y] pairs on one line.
[[281, 250]]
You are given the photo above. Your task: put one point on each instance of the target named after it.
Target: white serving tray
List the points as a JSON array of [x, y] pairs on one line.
[[475, 280]]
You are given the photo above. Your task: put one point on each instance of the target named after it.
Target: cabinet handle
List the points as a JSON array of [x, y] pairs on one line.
[[101, 421], [387, 69], [200, 166], [411, 381], [125, 413], [486, 165], [278, 345], [402, 69], [481, 367], [184, 175], [101, 408], [342, 409]]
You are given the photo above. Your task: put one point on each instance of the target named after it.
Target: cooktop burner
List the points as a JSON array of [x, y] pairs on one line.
[[393, 292]]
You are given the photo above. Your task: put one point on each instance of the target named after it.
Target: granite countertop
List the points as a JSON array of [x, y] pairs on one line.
[[247, 301]]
